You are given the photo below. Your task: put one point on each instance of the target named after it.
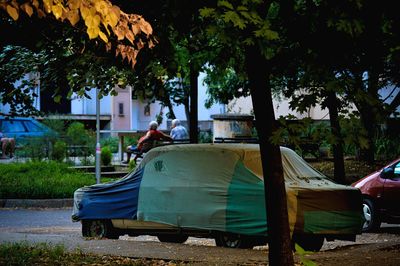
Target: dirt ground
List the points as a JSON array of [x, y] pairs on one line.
[[380, 248]]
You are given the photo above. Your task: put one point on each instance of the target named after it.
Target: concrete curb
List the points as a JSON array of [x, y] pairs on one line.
[[36, 203]]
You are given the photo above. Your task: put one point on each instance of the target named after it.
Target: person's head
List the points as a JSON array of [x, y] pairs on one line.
[[175, 122], [153, 125]]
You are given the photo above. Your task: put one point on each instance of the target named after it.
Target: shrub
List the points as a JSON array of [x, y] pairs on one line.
[[59, 151], [106, 155], [111, 142], [41, 180], [131, 165]]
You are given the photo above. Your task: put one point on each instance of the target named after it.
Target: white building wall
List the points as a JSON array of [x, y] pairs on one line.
[[86, 106]]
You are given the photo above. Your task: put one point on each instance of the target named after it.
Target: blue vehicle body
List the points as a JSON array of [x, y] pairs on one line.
[[22, 128]]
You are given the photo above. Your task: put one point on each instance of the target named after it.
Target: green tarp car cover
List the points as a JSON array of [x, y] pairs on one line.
[[220, 187]]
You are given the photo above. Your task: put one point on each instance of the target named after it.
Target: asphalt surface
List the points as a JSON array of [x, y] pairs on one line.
[[54, 226]]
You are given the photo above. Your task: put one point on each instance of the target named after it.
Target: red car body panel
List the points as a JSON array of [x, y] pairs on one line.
[[382, 191]]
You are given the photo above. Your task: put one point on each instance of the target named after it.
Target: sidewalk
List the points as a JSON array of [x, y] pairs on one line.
[[36, 203]]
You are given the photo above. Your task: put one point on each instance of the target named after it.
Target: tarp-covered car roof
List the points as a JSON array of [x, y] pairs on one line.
[[220, 187]]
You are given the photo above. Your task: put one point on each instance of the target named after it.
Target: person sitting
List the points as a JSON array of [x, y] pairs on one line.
[[178, 132], [7, 144], [145, 143]]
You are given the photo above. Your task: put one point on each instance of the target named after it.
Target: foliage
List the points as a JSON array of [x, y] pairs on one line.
[[59, 151], [354, 134], [57, 125], [40, 180], [24, 253], [302, 254], [387, 147], [78, 135], [111, 142], [36, 148], [100, 18], [106, 155], [20, 95], [205, 137], [131, 165]]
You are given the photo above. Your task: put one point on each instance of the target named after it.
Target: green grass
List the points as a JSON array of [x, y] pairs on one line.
[[40, 180], [44, 254]]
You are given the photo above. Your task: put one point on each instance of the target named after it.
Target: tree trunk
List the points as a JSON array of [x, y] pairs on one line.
[[368, 119], [280, 251], [193, 120], [339, 171]]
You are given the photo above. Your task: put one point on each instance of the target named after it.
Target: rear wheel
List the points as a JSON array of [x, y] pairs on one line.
[[99, 228], [309, 242], [233, 241], [371, 220], [172, 238]]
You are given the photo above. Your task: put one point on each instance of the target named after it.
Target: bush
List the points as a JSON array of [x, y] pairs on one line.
[[35, 148], [41, 180], [59, 151], [111, 142], [131, 165], [106, 155]]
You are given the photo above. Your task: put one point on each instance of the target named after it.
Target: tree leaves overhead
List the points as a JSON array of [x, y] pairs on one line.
[[101, 19]]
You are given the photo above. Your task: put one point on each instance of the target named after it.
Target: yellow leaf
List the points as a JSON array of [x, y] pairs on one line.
[[84, 12], [93, 32], [102, 7], [73, 4], [106, 27], [103, 37], [57, 10], [112, 19], [13, 12], [92, 21], [47, 5], [73, 17]]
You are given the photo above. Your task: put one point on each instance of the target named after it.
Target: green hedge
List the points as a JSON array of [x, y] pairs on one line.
[[40, 180]]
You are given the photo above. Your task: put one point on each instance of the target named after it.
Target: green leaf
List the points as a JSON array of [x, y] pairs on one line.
[[207, 12], [57, 98], [225, 4], [232, 16]]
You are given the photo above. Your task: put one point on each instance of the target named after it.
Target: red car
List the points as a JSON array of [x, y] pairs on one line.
[[381, 193]]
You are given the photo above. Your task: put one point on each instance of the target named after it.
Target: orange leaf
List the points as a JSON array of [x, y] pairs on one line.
[[28, 9], [13, 12], [130, 36], [145, 27], [73, 17], [135, 29]]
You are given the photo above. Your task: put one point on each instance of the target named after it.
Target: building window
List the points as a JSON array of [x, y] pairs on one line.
[[120, 109]]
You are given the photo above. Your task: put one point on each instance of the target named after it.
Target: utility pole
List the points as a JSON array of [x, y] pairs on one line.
[[98, 148]]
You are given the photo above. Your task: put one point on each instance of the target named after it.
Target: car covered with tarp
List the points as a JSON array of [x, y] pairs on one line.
[[217, 191]]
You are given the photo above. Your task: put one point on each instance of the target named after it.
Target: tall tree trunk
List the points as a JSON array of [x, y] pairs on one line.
[[368, 119], [339, 171], [280, 251], [193, 120]]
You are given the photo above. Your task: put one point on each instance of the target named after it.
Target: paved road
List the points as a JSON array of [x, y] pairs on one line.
[[55, 226]]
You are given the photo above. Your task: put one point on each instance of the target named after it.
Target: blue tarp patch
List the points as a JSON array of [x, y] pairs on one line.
[[116, 200]]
